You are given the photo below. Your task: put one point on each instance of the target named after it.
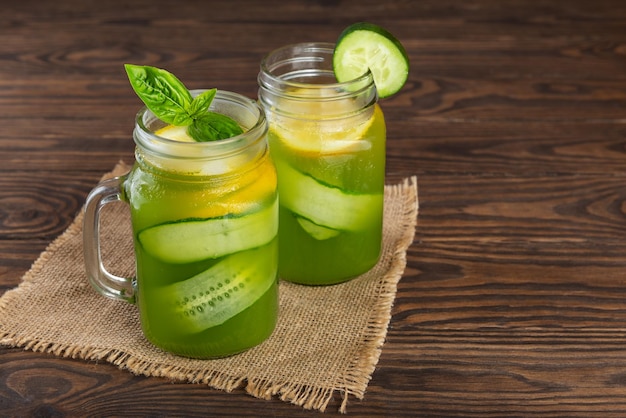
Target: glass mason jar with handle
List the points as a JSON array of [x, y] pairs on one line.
[[327, 140], [205, 222]]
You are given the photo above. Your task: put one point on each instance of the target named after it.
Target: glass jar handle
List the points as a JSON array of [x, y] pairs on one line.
[[102, 281]]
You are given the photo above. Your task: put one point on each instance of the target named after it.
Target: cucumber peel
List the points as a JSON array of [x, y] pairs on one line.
[[318, 232], [362, 46], [193, 240]]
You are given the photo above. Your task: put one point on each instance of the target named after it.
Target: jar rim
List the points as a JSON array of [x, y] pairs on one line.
[[253, 132], [267, 75]]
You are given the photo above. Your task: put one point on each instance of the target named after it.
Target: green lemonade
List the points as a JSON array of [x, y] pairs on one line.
[[330, 182], [327, 139], [206, 249]]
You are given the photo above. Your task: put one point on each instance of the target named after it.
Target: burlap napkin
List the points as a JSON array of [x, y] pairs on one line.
[[328, 339]]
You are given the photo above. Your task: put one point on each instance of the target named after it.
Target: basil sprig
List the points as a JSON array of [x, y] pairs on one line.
[[168, 98]]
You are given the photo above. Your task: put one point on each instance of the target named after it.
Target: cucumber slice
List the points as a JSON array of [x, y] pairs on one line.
[[325, 205], [318, 232], [364, 46], [194, 240], [227, 288]]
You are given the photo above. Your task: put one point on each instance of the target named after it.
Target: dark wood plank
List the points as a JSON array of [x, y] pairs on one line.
[[506, 147], [41, 385], [32, 208], [16, 257]]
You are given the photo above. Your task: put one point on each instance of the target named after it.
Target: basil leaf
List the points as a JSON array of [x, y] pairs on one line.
[[168, 98], [164, 94], [201, 103], [212, 126]]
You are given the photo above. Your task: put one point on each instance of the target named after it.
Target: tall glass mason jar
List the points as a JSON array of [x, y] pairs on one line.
[[205, 225], [327, 140]]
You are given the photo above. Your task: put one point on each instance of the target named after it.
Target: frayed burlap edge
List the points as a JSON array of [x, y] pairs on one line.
[[358, 373]]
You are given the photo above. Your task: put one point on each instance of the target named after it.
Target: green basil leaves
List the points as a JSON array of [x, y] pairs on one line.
[[168, 98]]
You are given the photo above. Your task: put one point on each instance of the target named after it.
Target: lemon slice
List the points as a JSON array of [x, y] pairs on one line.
[[322, 135], [189, 166], [307, 138], [175, 133]]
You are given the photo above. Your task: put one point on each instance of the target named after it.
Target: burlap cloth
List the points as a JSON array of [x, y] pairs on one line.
[[327, 340]]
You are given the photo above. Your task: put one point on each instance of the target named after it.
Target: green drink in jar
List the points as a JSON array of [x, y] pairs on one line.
[[204, 213], [327, 138]]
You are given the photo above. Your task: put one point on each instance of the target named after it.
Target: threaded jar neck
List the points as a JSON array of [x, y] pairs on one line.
[[204, 158], [294, 76]]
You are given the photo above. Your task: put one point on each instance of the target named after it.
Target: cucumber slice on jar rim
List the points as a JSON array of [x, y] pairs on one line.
[[362, 46]]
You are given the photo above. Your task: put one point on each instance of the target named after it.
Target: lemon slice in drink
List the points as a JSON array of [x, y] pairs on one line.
[[203, 166], [362, 46], [325, 135], [175, 133]]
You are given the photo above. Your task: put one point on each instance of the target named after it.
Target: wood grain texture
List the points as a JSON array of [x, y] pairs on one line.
[[513, 302]]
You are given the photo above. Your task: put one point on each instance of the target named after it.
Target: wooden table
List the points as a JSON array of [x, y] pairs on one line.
[[514, 119]]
